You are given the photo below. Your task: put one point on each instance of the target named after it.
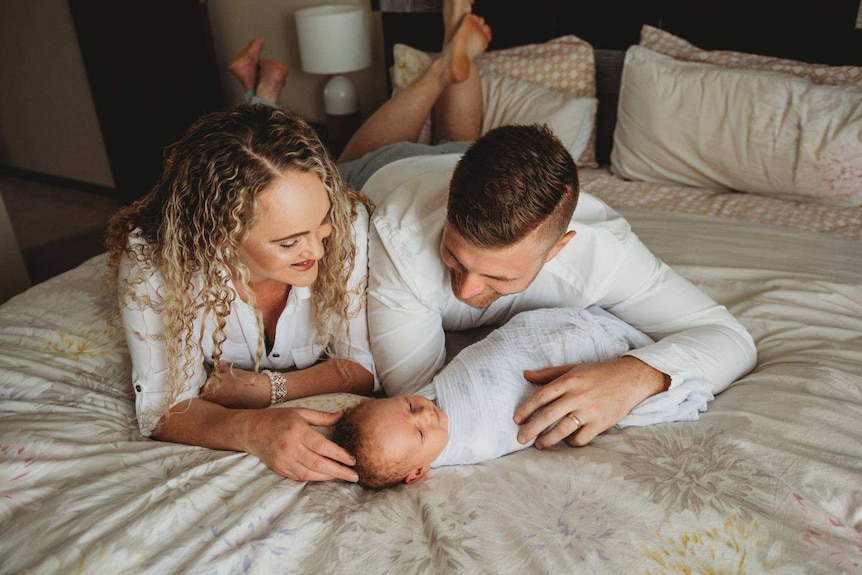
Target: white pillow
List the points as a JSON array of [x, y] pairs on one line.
[[751, 131], [563, 66], [508, 100]]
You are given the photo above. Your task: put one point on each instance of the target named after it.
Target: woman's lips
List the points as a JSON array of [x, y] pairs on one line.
[[304, 266]]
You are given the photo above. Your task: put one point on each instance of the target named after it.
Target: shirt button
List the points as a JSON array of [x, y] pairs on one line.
[[276, 355], [137, 388]]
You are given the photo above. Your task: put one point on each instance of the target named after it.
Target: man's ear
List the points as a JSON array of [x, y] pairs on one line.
[[560, 245], [416, 474]]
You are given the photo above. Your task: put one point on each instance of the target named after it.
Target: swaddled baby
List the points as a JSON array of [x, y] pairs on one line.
[[465, 414]]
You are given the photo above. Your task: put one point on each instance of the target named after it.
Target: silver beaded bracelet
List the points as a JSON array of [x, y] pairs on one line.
[[277, 386]]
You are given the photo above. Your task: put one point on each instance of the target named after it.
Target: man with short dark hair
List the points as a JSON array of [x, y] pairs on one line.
[[458, 242]]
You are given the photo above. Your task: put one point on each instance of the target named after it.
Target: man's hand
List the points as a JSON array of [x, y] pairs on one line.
[[284, 440], [599, 395]]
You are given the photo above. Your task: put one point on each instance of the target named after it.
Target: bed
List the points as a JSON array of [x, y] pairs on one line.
[[769, 480]]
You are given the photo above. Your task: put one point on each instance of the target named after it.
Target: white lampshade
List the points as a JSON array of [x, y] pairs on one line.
[[333, 39], [336, 39]]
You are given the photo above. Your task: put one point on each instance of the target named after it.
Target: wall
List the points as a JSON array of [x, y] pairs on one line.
[[235, 22], [48, 122]]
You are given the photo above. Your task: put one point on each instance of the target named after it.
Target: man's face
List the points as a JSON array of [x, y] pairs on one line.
[[481, 276]]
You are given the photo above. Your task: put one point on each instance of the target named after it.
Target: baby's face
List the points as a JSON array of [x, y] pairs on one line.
[[409, 428]]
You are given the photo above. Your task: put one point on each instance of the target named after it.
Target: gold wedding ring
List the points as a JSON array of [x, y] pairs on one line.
[[574, 419]]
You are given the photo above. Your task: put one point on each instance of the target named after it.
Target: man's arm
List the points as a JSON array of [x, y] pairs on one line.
[[407, 337], [696, 338]]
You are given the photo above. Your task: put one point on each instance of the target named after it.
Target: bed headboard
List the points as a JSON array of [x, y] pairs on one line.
[[824, 34]]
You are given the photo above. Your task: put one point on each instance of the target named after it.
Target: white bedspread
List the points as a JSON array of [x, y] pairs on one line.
[[769, 480]]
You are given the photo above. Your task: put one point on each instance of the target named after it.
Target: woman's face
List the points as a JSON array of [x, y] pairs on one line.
[[286, 241]]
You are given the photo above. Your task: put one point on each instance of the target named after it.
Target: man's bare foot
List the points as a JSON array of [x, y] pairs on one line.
[[271, 80], [244, 66], [470, 40], [453, 13]]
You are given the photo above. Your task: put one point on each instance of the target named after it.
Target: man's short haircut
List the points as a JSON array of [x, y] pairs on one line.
[[511, 181]]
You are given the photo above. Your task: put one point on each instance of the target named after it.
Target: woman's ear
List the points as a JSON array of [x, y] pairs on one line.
[[416, 474]]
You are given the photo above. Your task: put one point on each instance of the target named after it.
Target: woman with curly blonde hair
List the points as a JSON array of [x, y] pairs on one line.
[[247, 260]]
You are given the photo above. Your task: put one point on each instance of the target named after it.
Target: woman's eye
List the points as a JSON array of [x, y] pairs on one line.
[[290, 244], [410, 406]]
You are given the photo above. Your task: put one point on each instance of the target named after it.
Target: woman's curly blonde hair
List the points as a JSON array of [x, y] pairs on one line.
[[194, 219]]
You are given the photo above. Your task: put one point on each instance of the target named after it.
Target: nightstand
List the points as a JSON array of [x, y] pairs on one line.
[[334, 145]]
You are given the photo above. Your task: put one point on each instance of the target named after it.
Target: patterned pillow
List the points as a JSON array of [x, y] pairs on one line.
[[675, 47], [565, 64]]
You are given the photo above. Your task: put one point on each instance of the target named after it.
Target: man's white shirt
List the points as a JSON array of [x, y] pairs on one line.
[[411, 304]]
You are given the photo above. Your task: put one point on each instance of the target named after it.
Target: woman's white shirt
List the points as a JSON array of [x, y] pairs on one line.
[[295, 345]]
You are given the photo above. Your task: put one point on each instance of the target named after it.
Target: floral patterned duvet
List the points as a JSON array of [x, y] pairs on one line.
[[768, 481]]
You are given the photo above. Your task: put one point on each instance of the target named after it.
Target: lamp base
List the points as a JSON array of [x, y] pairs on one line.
[[341, 103]]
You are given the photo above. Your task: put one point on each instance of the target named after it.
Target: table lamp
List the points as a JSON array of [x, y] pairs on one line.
[[335, 39]]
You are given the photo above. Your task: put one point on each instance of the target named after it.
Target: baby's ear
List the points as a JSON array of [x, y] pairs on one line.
[[416, 474]]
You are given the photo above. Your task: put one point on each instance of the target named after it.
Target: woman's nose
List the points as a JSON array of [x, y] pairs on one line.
[[315, 249]]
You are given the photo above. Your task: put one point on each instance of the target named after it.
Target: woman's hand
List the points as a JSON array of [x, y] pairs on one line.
[[599, 395], [285, 441], [281, 437]]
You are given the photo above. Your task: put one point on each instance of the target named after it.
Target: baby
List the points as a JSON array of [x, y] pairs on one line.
[[465, 414]]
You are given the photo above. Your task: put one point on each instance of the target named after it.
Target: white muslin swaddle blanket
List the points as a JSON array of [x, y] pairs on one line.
[[484, 384]]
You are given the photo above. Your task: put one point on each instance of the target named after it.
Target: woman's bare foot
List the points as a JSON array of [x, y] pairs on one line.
[[470, 40], [271, 79], [244, 66], [453, 13]]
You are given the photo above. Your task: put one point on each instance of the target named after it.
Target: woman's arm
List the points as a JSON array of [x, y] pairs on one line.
[[282, 438], [140, 293], [245, 389]]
